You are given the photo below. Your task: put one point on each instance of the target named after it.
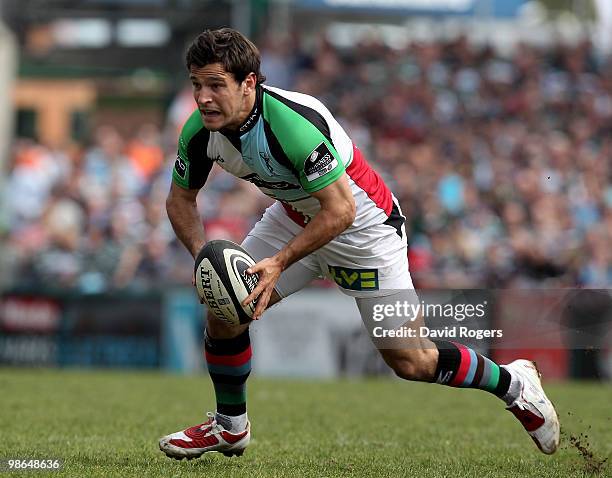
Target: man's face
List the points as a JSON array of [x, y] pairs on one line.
[[219, 96]]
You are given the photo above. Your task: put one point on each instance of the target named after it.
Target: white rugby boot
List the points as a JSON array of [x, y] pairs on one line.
[[208, 436], [532, 407]]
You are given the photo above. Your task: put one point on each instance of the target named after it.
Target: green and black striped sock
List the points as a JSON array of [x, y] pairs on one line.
[[460, 366], [229, 366]]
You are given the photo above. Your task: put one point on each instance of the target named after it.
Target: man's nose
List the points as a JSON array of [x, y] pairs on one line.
[[204, 96]]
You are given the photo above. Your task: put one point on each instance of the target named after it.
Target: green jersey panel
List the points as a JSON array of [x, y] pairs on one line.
[[192, 165], [307, 147]]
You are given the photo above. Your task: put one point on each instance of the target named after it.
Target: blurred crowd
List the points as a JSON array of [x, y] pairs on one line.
[[502, 165]]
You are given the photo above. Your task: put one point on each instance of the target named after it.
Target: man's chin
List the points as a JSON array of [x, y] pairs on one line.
[[214, 125]]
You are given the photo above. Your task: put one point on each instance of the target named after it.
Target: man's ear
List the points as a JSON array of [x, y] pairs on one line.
[[250, 82]]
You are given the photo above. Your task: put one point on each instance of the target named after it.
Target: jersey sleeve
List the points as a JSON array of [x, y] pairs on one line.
[[192, 165], [304, 143]]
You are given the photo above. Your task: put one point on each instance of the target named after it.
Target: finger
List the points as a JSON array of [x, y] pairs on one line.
[[261, 285], [252, 296], [262, 303], [255, 268]]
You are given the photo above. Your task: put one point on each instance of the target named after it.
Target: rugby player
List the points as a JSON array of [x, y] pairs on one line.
[[333, 216]]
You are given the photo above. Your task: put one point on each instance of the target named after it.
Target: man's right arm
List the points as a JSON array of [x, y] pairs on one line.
[[183, 213], [190, 171]]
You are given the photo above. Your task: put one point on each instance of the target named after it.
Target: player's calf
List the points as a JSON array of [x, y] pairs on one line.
[[227, 350], [229, 364], [453, 364], [414, 362]]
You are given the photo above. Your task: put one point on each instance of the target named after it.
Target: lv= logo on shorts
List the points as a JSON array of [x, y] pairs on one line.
[[354, 279]]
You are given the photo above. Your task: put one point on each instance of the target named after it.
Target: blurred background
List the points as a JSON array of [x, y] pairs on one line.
[[491, 121]]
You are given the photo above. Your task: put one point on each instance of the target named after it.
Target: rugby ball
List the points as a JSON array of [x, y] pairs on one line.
[[223, 283]]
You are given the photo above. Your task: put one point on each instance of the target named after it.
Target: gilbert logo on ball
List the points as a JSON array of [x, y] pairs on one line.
[[222, 281]]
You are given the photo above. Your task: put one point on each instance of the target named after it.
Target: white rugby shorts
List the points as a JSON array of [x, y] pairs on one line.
[[371, 262]]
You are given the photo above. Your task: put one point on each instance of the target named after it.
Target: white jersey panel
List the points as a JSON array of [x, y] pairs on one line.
[[367, 212], [341, 141]]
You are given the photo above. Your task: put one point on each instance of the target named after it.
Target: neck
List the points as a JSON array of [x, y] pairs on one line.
[[245, 111]]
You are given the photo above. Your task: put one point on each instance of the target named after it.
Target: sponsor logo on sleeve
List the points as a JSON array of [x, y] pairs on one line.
[[180, 167], [320, 162]]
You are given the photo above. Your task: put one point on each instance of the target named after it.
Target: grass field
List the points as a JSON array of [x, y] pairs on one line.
[[107, 424]]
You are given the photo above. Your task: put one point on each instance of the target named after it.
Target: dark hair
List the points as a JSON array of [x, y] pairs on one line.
[[238, 55]]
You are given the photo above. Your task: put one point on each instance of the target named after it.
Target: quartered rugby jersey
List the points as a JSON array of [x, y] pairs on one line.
[[289, 146]]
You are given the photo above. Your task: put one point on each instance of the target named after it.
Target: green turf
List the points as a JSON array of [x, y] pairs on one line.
[[107, 424]]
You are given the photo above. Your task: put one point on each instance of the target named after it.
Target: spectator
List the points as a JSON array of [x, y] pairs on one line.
[[502, 166]]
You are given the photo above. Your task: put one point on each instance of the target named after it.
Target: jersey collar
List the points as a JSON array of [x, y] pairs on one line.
[[255, 113]]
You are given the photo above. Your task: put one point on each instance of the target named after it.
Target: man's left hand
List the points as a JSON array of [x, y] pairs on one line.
[[269, 270]]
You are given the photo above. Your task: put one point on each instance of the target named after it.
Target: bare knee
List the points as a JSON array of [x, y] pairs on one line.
[[219, 329], [413, 363]]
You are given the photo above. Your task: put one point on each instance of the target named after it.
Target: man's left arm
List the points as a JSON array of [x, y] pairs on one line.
[[337, 213]]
